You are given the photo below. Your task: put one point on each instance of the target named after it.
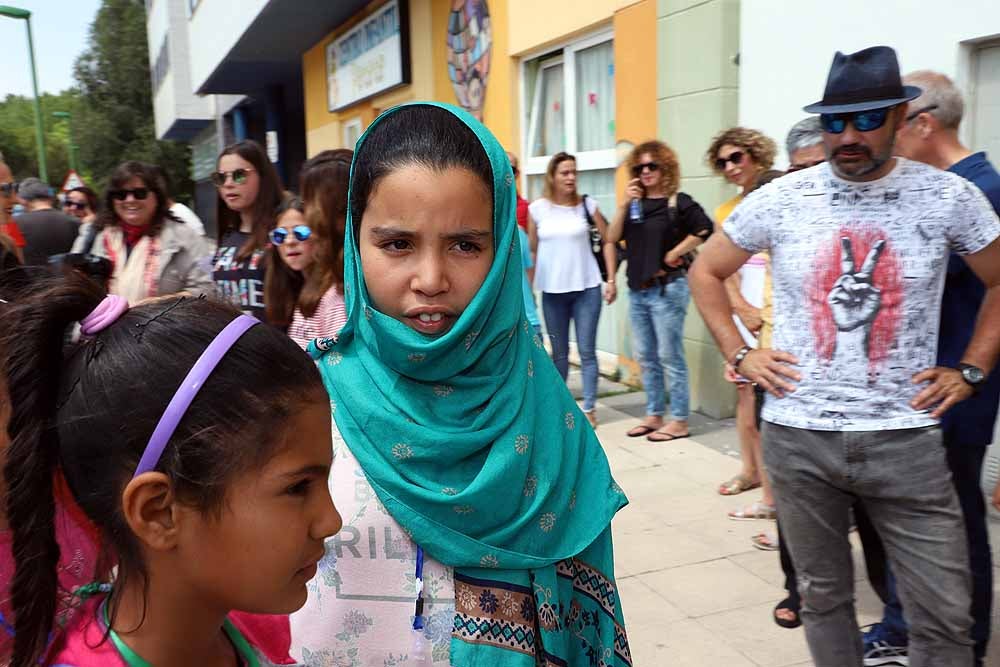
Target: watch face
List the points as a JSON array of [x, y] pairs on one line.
[[973, 375]]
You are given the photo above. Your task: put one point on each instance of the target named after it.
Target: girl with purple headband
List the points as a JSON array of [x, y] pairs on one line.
[[203, 469]]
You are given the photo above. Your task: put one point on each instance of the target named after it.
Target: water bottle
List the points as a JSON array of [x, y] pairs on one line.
[[635, 211], [420, 651]]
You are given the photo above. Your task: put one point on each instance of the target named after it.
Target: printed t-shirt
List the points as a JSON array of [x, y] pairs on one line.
[[361, 601], [971, 421], [564, 261], [658, 231], [530, 310], [240, 282], [329, 318], [858, 271], [85, 644]]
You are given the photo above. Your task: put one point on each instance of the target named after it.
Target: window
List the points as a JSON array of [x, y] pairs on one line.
[[352, 132], [986, 99], [569, 106], [162, 65]]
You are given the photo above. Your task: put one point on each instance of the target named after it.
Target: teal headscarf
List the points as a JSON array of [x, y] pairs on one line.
[[475, 446]]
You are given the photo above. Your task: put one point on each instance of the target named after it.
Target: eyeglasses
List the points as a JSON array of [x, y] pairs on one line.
[[913, 114], [8, 189], [736, 157], [300, 232], [122, 195], [863, 121], [91, 265], [239, 176], [639, 168], [76, 205]]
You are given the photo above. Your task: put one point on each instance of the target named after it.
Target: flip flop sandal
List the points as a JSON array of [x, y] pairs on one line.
[[764, 542], [758, 511], [737, 485], [640, 430], [660, 436], [786, 604]]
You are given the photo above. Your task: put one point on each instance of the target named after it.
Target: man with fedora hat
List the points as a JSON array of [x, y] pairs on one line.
[[859, 247]]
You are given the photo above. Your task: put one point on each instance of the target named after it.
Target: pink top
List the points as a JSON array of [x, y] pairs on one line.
[[329, 318]]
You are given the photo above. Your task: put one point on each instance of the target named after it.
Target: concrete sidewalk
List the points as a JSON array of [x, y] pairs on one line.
[[695, 591]]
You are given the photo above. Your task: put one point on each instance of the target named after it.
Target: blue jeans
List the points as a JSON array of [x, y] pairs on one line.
[[584, 308], [966, 464], [657, 316]]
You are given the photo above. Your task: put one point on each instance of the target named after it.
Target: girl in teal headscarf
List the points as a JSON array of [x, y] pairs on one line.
[[465, 473]]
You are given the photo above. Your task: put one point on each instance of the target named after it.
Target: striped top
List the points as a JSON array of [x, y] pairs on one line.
[[329, 318]]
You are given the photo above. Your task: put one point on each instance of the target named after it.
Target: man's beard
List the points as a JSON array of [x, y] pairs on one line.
[[858, 169]]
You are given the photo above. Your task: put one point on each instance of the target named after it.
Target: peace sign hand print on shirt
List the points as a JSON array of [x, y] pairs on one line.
[[853, 299]]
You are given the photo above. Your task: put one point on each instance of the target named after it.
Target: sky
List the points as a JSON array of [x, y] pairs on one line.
[[60, 29]]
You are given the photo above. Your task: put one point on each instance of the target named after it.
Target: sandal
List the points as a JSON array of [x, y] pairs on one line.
[[757, 511], [592, 418], [765, 542], [640, 430], [662, 436], [786, 605], [737, 485]]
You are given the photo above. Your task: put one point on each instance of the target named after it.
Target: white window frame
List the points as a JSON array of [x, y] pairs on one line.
[[347, 127], [585, 160]]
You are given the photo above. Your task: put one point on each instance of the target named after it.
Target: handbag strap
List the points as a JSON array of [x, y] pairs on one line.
[[586, 214]]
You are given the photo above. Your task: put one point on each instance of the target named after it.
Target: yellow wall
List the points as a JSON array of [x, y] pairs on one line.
[[635, 75], [429, 76], [540, 22]]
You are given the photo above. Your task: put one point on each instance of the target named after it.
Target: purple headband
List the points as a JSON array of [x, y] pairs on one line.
[[189, 388]]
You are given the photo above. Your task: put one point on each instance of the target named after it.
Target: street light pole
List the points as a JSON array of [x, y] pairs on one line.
[[18, 13], [72, 137]]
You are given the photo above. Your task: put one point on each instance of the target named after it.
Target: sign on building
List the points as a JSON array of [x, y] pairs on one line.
[[370, 58]]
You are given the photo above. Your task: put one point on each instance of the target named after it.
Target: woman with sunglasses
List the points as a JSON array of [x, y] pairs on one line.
[[249, 192], [566, 270], [741, 156], [294, 274], [661, 227], [151, 253], [81, 203]]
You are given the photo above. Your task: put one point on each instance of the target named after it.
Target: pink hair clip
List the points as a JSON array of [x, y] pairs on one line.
[[106, 313]]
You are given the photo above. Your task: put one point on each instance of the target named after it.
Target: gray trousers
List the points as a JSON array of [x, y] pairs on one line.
[[904, 482]]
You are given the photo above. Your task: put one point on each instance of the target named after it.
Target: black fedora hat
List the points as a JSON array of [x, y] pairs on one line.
[[868, 79]]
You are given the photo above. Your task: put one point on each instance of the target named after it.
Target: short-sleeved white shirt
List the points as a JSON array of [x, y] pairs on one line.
[[858, 272], [564, 261]]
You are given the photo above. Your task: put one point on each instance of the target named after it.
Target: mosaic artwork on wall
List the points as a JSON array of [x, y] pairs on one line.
[[470, 44]]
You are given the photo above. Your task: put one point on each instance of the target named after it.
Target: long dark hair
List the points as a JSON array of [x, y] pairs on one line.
[[324, 180], [67, 414], [282, 283], [92, 201], [268, 198], [149, 175], [421, 135]]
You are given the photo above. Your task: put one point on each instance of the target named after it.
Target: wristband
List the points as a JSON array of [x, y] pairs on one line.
[[741, 354]]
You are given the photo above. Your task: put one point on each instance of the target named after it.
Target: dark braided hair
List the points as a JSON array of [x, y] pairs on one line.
[[75, 409]]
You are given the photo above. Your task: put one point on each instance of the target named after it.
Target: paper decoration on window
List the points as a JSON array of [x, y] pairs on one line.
[[592, 99], [470, 44], [556, 106]]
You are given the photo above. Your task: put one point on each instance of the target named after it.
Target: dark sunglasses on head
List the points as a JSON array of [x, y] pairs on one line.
[[8, 189], [736, 157], [93, 266], [122, 195], [913, 114], [239, 176], [639, 168], [300, 232], [863, 121]]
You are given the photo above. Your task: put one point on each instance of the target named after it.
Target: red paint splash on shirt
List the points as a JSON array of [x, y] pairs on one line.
[[887, 277]]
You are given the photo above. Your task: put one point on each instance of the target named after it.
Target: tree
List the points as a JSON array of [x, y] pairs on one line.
[[115, 122], [17, 135]]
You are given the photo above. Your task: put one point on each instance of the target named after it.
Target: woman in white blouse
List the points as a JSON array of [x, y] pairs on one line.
[[566, 270]]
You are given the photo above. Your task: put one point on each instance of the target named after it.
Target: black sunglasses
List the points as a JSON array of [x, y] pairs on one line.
[[93, 266], [239, 176], [913, 114], [122, 195], [863, 121], [736, 157], [639, 168], [77, 205], [8, 189], [300, 232]]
